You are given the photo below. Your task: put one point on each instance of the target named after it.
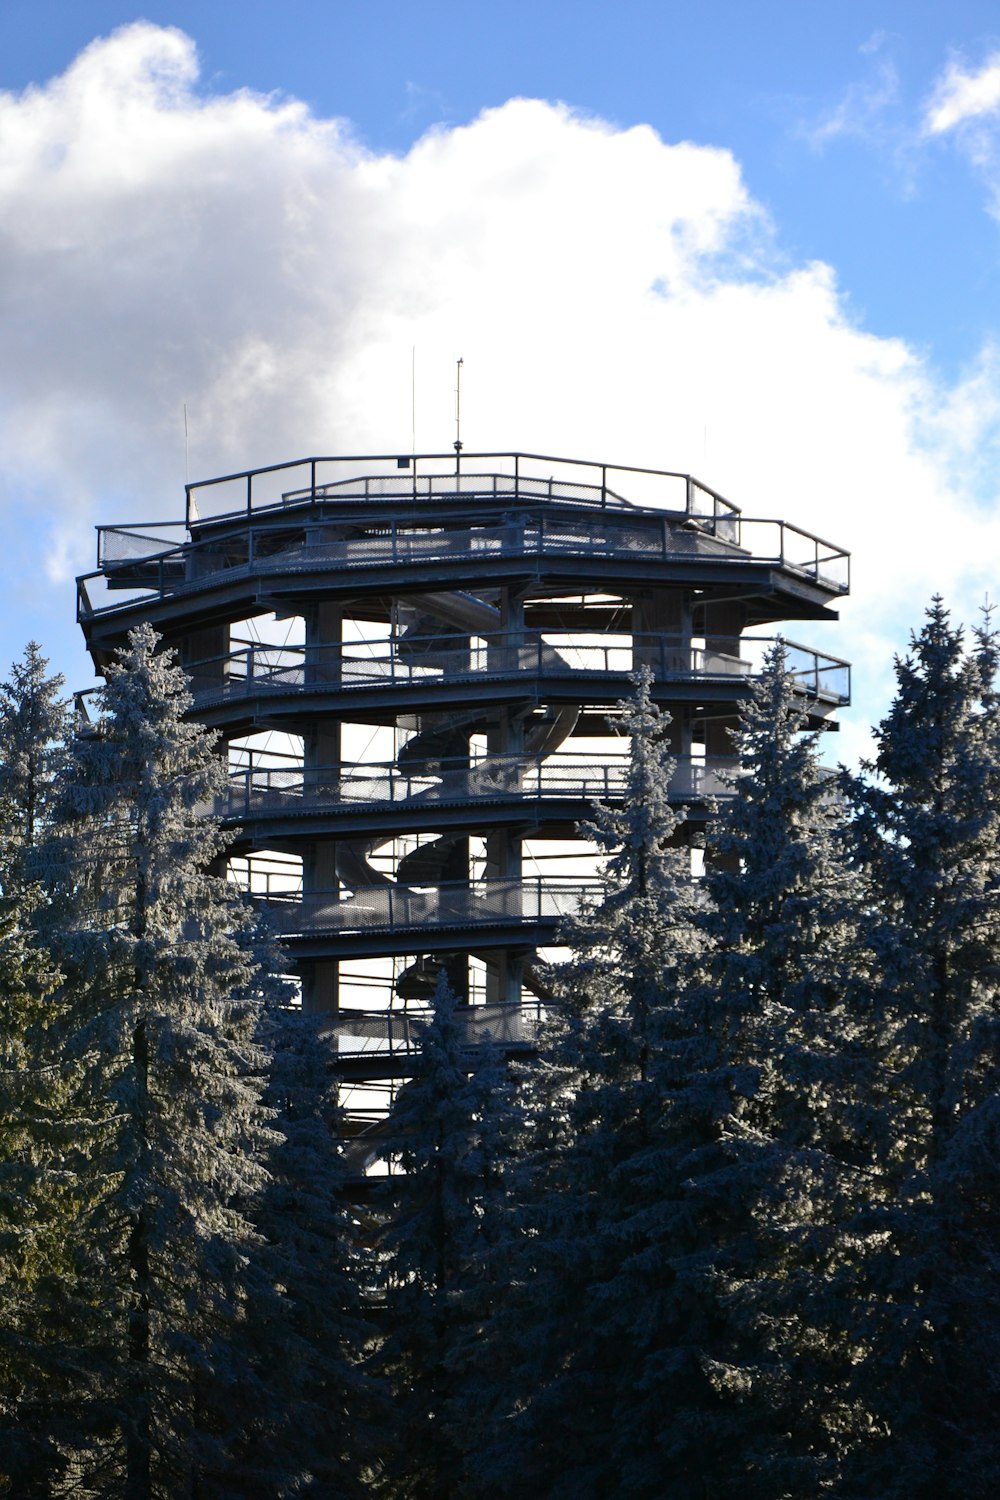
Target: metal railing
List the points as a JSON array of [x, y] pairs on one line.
[[403, 907], [252, 668], [262, 790], [118, 544], [125, 575], [525, 531], [430, 475], [396, 1032]]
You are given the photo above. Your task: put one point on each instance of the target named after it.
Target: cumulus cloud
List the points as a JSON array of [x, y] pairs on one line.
[[964, 94], [613, 297]]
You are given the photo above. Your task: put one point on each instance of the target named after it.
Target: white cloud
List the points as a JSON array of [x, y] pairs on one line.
[[964, 106], [614, 297], [863, 110], [962, 95]]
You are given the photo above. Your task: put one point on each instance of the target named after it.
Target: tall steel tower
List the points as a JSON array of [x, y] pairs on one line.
[[414, 663]]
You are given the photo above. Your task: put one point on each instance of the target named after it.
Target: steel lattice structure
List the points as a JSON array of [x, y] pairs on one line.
[[414, 665]]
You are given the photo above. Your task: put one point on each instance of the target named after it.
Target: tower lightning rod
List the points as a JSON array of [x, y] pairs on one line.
[[458, 414]]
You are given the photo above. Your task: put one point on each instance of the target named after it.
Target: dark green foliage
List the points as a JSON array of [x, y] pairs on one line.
[[44, 1135], [42, 1192], [320, 1418], [440, 1208], [34, 728], [788, 984], [927, 825], [581, 1329], [161, 1022], [734, 1232]]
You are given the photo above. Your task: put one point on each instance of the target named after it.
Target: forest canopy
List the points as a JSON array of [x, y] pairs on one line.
[[731, 1229]]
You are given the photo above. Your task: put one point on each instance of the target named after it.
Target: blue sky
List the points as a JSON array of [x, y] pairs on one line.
[[756, 241]]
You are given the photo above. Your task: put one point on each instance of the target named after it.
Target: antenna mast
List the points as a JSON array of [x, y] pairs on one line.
[[458, 414]]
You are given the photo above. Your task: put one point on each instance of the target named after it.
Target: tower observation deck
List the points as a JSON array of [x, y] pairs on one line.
[[414, 670]]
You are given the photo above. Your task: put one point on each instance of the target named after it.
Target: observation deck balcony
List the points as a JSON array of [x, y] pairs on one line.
[[359, 527], [407, 919], [257, 671], [131, 560], [385, 1044], [348, 792]]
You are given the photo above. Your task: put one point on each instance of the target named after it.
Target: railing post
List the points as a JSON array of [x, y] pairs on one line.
[[249, 494], [312, 479]]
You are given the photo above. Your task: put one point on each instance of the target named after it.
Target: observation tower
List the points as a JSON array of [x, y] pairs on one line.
[[413, 664]]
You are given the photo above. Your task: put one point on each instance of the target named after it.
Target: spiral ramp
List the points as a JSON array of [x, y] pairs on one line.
[[442, 741]]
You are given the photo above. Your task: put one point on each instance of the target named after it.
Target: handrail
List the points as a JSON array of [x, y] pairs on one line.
[[388, 907], [411, 463], [193, 566], [398, 542], [363, 1031], [133, 534], [355, 665], [276, 790]]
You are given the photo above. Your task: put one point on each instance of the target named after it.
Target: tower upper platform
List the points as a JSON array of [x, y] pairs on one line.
[[352, 527]]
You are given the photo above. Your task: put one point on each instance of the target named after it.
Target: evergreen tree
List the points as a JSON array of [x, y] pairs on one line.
[[788, 984], [679, 1305], [160, 977], [571, 1335], [34, 728], [928, 824], [41, 1190], [441, 1203], [319, 1336], [42, 1315]]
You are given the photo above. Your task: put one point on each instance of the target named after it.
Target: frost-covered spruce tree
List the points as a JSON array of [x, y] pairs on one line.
[[160, 973], [928, 825], [787, 985], [581, 1316], [326, 1423], [34, 728], [42, 1316], [442, 1133], [44, 1320]]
